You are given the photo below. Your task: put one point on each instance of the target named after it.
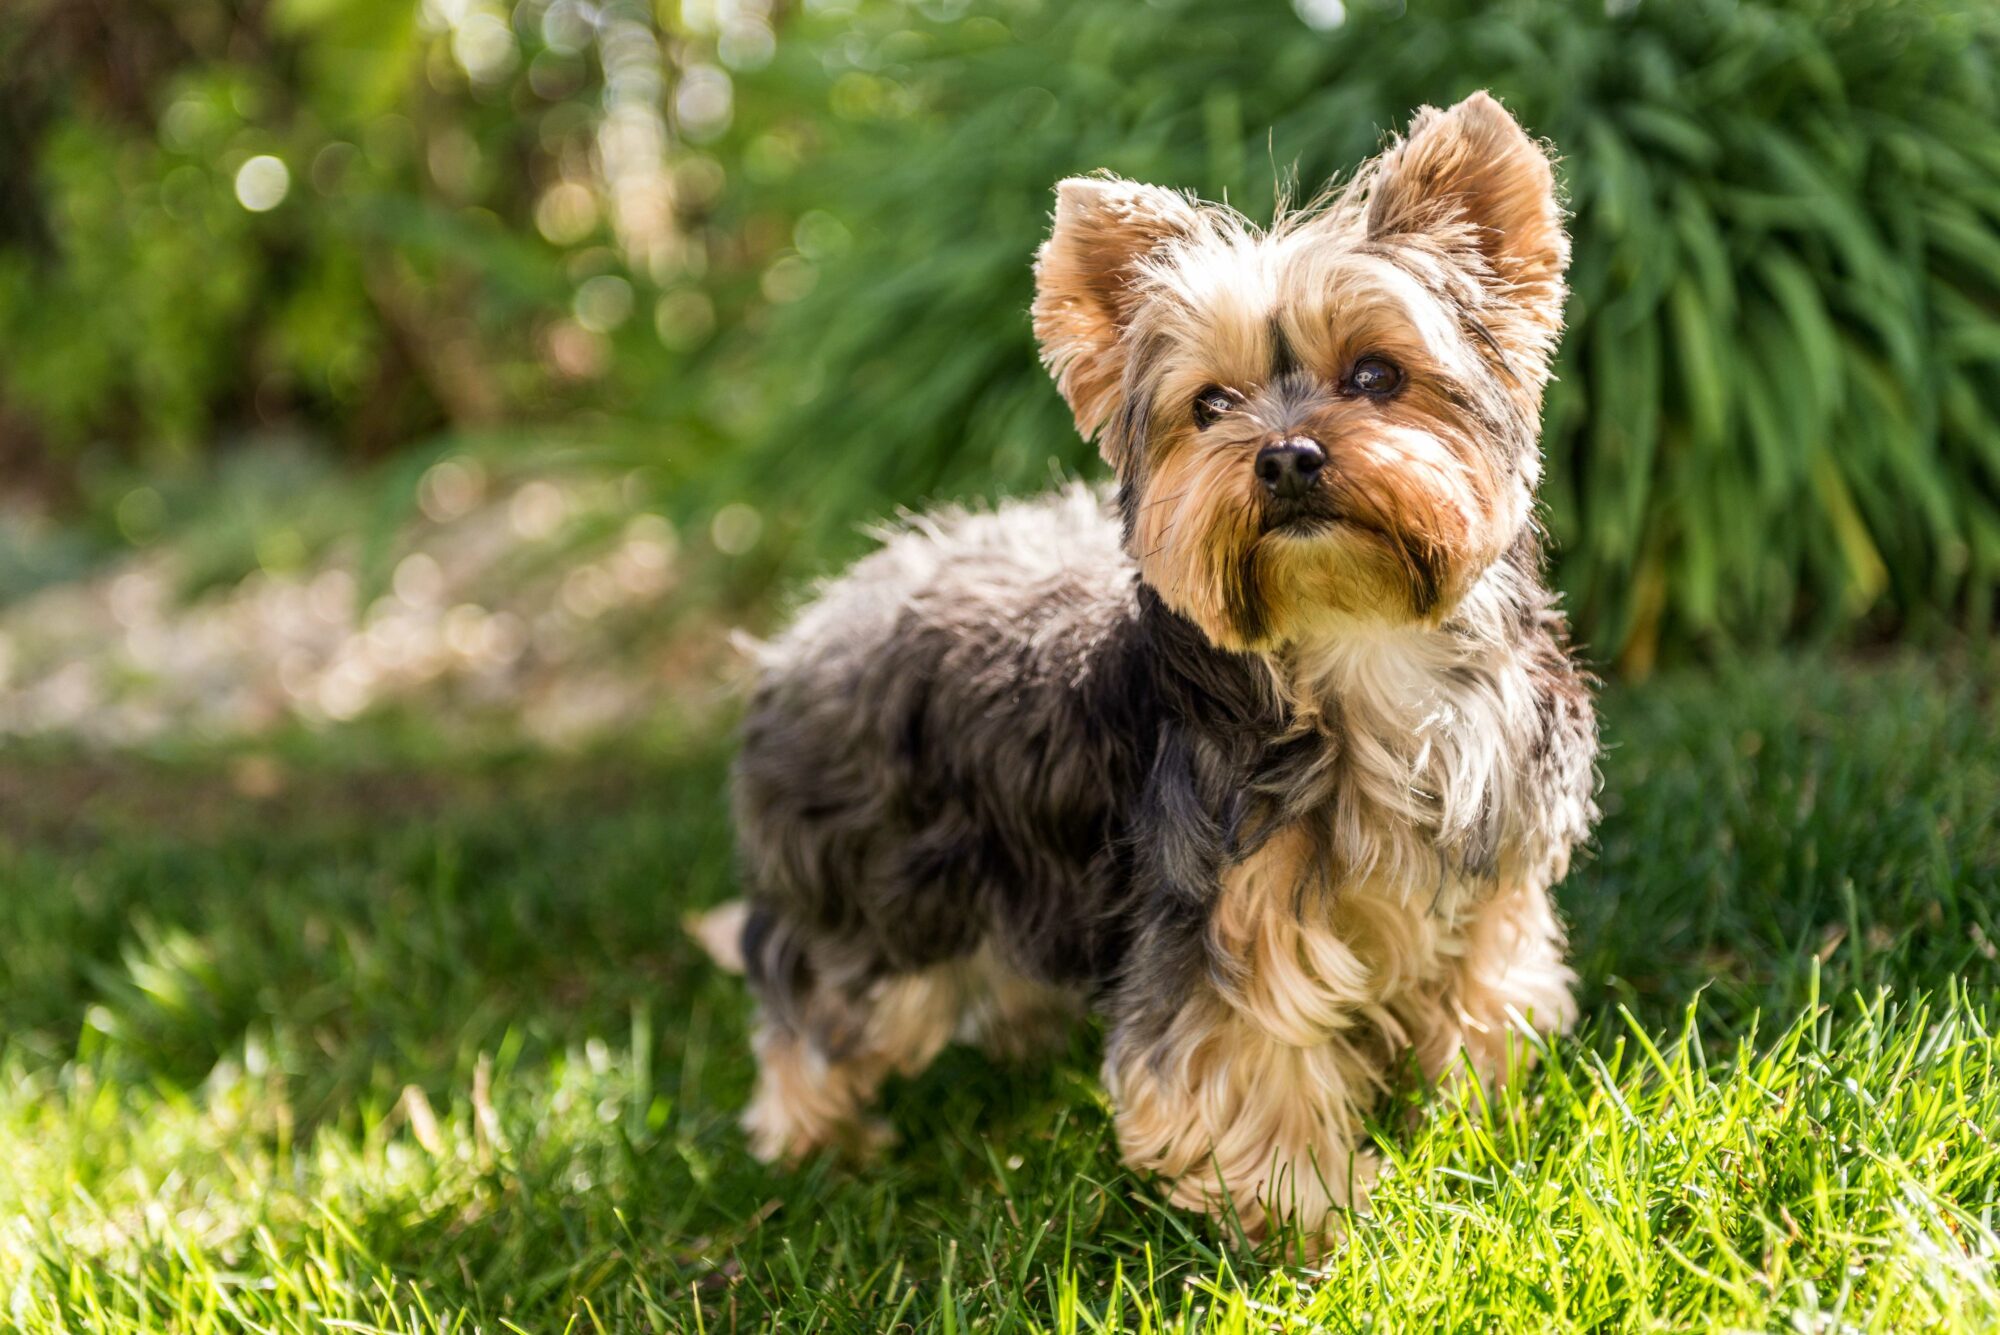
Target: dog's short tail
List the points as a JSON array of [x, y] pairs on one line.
[[719, 931]]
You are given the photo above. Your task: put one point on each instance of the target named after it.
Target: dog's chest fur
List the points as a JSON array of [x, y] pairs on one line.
[[1360, 899]]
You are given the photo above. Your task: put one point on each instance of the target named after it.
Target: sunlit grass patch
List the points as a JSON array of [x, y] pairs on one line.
[[420, 1047], [1837, 1176]]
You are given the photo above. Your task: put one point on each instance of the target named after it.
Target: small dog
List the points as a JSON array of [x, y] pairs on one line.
[[1270, 756]]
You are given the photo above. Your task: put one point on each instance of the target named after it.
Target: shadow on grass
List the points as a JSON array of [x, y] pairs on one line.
[[1768, 817]]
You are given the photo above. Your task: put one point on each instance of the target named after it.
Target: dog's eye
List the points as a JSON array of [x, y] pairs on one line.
[[1212, 403], [1374, 376]]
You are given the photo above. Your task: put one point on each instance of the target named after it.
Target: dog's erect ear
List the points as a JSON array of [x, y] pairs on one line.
[[1103, 228], [1474, 167]]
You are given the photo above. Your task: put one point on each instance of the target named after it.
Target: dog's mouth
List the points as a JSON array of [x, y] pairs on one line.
[[1301, 516], [1318, 520], [1329, 508], [1301, 526]]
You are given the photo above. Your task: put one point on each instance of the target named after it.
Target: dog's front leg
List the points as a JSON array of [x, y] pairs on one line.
[[1233, 1119], [1508, 974]]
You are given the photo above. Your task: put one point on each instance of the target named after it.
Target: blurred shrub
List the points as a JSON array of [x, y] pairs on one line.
[[366, 219], [783, 250], [1780, 396]]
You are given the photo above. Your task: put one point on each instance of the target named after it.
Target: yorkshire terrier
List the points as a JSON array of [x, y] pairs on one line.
[[1270, 755]]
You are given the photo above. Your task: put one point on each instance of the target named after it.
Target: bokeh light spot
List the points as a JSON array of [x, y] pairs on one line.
[[603, 303], [538, 510], [788, 279], [566, 213], [704, 103], [484, 47], [262, 183], [747, 46], [735, 529], [1325, 15], [450, 489], [140, 514], [684, 319], [819, 235]]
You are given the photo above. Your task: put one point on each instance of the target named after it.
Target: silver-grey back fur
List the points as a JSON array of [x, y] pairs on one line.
[[990, 733]]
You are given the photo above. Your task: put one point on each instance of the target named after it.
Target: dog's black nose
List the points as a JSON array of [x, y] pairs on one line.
[[1289, 468]]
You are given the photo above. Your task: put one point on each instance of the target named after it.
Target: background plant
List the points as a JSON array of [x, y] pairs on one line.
[[367, 220], [1779, 408], [780, 251]]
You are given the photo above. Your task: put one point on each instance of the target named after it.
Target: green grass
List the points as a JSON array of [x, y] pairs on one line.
[[419, 1046]]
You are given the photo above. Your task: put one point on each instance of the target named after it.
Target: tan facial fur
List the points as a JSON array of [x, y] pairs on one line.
[[1443, 257]]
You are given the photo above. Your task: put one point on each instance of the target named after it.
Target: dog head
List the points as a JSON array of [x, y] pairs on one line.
[[1333, 417]]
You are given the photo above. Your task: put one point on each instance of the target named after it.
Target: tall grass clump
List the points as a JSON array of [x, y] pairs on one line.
[[1779, 404]]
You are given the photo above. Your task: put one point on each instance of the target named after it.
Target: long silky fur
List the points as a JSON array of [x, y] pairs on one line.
[[1279, 814], [991, 731]]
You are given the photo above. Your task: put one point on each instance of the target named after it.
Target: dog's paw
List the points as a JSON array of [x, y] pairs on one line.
[[719, 931], [776, 1139]]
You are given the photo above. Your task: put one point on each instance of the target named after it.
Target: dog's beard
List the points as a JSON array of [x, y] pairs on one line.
[[1394, 532]]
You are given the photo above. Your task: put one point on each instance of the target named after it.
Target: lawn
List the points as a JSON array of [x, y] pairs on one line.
[[330, 1035]]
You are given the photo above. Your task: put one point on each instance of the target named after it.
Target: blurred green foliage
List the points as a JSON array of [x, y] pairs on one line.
[[370, 219], [783, 250], [1779, 406]]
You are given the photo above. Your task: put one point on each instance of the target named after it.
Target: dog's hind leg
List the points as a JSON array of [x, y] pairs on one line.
[[820, 1064], [1009, 1016]]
